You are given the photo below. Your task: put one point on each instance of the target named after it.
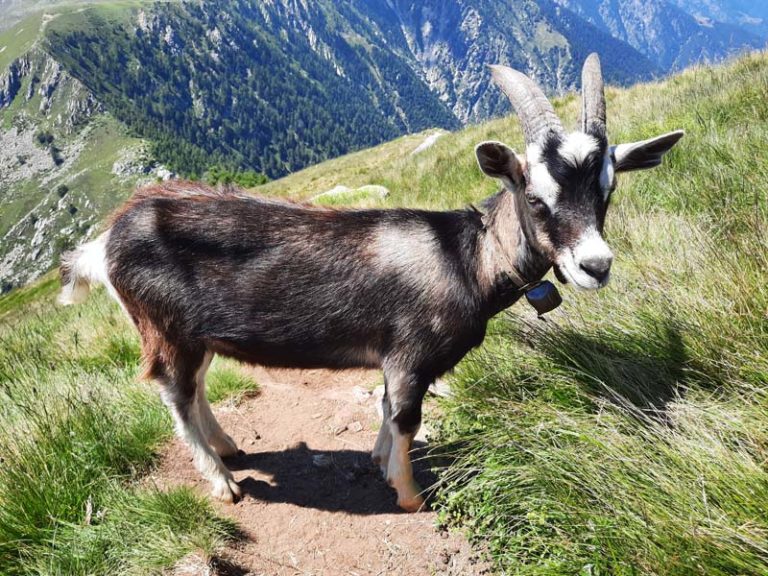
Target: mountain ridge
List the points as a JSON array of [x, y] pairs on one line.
[[96, 97]]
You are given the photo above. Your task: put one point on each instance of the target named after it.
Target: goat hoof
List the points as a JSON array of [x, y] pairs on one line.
[[226, 447], [412, 504], [409, 496], [227, 491]]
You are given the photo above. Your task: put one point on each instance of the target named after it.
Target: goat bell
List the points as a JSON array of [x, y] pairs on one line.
[[544, 297]]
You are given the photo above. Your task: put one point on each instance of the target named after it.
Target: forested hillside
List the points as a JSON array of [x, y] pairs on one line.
[[240, 84]]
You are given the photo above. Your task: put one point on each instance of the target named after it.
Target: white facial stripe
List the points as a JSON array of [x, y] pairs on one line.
[[607, 176], [543, 186], [577, 146], [590, 245]]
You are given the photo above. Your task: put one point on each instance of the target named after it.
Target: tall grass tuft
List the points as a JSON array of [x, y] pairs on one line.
[[79, 435]]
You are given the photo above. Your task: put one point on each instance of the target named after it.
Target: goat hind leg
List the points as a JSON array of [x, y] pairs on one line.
[[179, 394], [383, 446], [219, 440]]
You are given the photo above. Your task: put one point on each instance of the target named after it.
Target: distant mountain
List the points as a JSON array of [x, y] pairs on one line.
[[669, 36], [751, 15], [453, 42], [277, 86]]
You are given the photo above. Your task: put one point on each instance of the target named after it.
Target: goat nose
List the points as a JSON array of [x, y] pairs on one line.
[[597, 266]]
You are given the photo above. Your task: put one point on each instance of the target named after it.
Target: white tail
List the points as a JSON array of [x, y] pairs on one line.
[[84, 266]]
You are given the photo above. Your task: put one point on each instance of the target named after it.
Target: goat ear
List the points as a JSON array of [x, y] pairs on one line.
[[498, 160], [644, 154]]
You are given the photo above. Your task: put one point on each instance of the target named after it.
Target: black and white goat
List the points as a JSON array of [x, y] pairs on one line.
[[202, 272]]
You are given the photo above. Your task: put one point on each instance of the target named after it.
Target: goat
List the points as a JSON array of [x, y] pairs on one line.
[[203, 272]]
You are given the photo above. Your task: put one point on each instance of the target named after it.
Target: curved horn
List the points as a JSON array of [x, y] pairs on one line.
[[534, 110], [592, 95]]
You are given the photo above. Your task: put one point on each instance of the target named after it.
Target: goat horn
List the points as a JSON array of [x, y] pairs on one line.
[[533, 108], [592, 95]]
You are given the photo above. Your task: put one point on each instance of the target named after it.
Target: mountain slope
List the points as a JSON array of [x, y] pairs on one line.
[[453, 42], [270, 87], [276, 86], [64, 161], [669, 36], [748, 14]]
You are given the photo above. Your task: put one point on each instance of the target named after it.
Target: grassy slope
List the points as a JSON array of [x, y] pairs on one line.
[[627, 433], [79, 434], [561, 465]]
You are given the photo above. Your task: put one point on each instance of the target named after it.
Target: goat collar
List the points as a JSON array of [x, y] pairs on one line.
[[542, 295]]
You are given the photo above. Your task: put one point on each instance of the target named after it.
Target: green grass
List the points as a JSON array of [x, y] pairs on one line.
[[227, 380], [627, 433], [79, 435], [19, 39]]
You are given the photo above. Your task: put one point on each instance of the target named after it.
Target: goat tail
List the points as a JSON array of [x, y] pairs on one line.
[[81, 268]]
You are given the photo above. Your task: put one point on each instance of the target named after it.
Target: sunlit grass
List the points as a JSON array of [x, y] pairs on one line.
[[79, 432]]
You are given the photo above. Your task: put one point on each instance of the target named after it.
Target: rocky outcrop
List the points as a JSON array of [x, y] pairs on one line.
[[50, 81], [11, 80], [36, 73], [81, 107]]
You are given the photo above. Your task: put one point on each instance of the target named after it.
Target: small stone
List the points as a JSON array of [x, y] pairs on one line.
[[440, 388], [316, 415], [360, 394], [355, 426], [321, 460]]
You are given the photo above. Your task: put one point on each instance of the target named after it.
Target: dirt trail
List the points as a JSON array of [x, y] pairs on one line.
[[314, 503]]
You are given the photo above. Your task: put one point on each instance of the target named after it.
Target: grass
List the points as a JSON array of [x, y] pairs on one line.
[[228, 381], [80, 434], [19, 39]]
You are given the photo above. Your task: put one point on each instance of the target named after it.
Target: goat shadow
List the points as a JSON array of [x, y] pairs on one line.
[[332, 480], [641, 372]]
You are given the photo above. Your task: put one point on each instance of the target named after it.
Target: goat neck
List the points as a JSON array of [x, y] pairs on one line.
[[505, 249]]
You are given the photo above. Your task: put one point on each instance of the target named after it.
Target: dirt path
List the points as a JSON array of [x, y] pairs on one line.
[[314, 503]]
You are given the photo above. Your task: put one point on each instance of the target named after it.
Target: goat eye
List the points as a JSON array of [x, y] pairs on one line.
[[532, 200]]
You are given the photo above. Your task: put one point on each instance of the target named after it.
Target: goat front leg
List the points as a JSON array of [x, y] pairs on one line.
[[406, 394]]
